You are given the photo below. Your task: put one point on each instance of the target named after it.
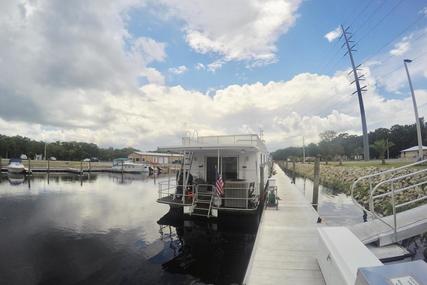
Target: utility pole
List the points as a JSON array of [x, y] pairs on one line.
[[417, 119], [359, 90], [45, 145], [303, 150]]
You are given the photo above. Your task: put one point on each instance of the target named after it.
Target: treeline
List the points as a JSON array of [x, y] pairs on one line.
[[383, 142], [13, 147]]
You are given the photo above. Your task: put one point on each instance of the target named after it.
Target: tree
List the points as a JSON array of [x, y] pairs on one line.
[[380, 147]]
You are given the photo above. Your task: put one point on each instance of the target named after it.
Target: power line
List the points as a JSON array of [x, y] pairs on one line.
[[332, 59], [394, 38], [381, 20], [361, 12], [370, 16]]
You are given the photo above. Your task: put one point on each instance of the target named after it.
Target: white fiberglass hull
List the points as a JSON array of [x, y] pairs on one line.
[[132, 168], [16, 168]]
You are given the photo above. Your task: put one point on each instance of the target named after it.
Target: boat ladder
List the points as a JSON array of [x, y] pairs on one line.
[[202, 202]]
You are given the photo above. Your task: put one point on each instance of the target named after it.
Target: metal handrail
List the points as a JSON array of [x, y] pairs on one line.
[[166, 191], [392, 192], [250, 138], [370, 176]]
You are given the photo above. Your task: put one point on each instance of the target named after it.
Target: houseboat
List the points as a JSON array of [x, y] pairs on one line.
[[128, 166], [219, 175]]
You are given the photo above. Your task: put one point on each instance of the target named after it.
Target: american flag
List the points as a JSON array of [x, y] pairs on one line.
[[219, 185]]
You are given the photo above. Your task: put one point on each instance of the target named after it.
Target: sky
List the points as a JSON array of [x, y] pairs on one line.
[[143, 73]]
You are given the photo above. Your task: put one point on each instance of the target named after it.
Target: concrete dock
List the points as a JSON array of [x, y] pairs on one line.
[[285, 248]]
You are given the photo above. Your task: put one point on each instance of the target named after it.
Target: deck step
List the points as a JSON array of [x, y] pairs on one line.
[[202, 209], [199, 215]]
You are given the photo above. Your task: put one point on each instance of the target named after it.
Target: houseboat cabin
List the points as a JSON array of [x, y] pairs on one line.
[[218, 174]]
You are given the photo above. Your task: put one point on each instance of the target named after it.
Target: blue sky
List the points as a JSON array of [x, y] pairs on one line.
[[142, 73], [302, 49]]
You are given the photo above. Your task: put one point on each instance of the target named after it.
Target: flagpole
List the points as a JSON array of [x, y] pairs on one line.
[[217, 168]]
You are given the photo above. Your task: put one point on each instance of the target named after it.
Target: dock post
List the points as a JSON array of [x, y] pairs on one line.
[[122, 167], [48, 165], [29, 166], [81, 167], [90, 166], [293, 170], [316, 182]]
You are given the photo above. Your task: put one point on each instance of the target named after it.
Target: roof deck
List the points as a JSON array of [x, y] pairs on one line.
[[246, 142]]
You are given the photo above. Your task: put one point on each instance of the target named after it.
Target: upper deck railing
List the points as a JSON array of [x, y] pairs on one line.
[[223, 140]]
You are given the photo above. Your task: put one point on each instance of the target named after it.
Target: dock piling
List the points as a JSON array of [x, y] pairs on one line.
[[316, 182], [48, 165], [293, 171], [29, 166], [81, 167]]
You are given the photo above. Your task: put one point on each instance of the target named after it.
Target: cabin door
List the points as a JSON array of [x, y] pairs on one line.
[[229, 169]]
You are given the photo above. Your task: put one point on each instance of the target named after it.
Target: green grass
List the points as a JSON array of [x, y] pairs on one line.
[[61, 164], [373, 163]]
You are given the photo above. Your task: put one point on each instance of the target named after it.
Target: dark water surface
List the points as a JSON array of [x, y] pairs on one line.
[[335, 208], [102, 229]]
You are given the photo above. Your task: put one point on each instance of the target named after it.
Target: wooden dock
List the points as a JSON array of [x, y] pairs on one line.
[[285, 248]]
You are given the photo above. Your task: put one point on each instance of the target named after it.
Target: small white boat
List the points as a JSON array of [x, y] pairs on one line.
[[127, 166], [16, 166]]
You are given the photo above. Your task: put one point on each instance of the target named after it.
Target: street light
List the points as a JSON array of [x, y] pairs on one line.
[[417, 120]]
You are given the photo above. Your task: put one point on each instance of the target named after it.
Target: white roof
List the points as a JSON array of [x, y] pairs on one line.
[[157, 153], [414, 148], [226, 142]]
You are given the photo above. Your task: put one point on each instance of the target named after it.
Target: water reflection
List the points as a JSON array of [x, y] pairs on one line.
[[102, 229], [208, 252], [335, 208], [15, 179]]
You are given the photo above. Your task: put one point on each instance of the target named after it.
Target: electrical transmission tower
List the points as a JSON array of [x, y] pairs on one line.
[[350, 48]]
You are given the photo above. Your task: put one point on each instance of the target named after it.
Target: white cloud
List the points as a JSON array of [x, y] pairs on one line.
[[158, 115], [390, 73], [178, 70], [400, 48], [215, 65], [56, 54], [76, 78], [235, 30], [200, 66], [334, 34]]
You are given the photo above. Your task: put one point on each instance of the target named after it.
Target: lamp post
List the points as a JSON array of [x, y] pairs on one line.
[[417, 119]]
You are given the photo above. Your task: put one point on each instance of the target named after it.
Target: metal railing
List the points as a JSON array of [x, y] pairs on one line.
[[389, 186], [227, 139], [168, 189]]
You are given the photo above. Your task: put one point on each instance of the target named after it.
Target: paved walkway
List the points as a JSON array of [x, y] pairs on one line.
[[286, 243]]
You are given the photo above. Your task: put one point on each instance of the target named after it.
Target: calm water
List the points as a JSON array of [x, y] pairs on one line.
[[103, 229], [335, 208]]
